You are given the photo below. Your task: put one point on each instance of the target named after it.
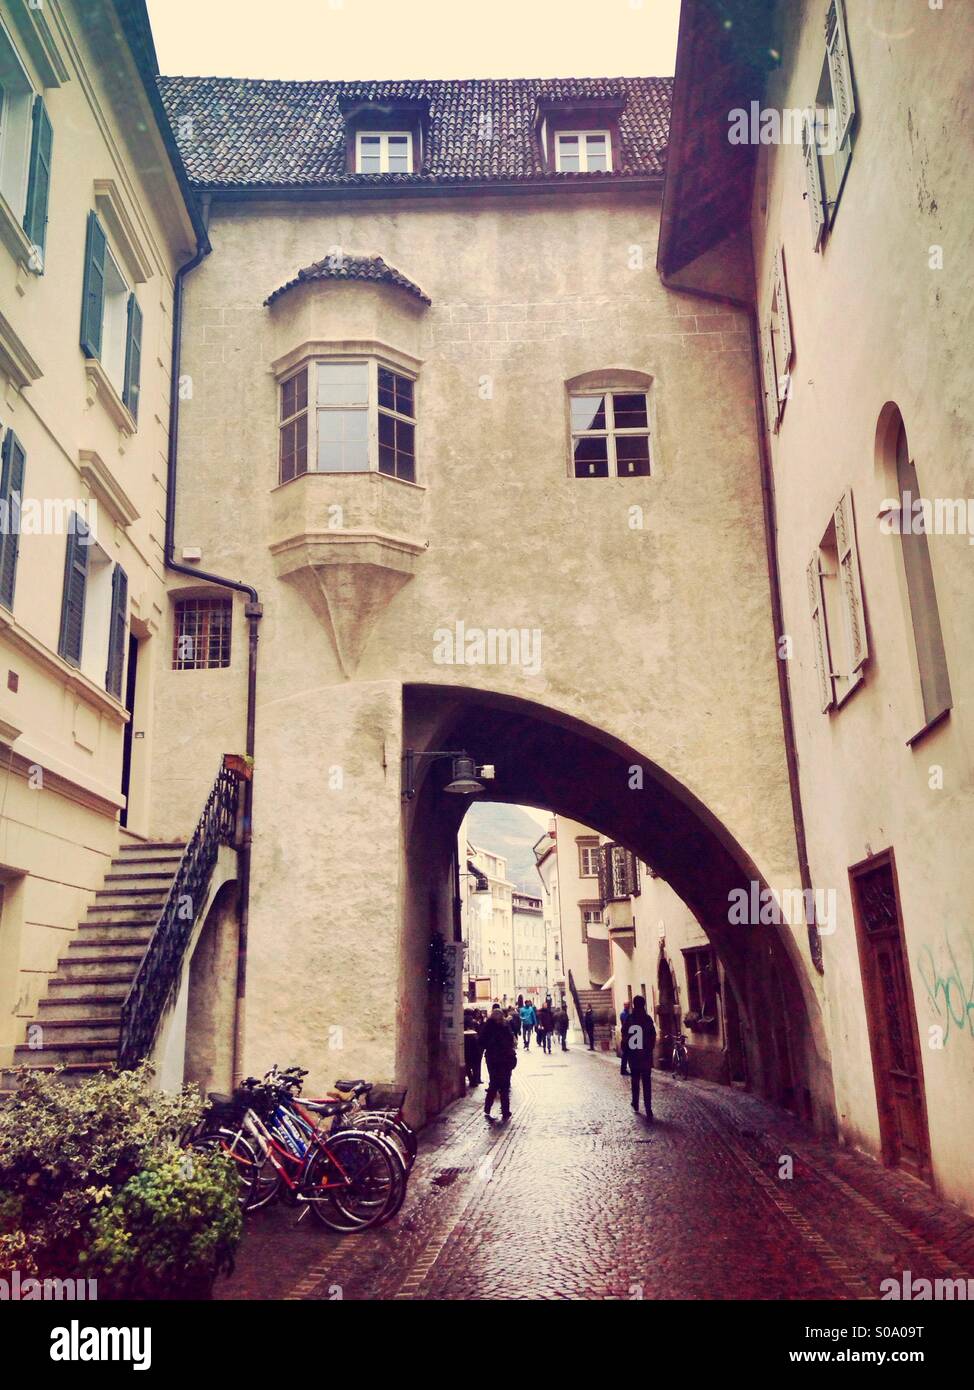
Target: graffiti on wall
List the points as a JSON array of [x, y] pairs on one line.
[[948, 977]]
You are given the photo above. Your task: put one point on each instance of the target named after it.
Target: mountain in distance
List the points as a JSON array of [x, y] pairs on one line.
[[503, 829]]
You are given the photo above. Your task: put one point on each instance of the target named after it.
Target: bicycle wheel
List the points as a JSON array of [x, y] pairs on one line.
[[240, 1151], [399, 1135], [681, 1066], [351, 1180]]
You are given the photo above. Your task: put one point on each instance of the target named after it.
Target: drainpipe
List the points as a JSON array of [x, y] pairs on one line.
[[253, 611], [777, 613]]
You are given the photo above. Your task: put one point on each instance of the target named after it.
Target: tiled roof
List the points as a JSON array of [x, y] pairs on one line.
[[256, 133], [351, 268]]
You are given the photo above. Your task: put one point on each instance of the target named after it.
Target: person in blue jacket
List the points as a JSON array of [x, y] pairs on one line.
[[528, 1020]]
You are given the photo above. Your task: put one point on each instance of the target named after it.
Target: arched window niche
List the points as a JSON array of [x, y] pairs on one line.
[[611, 424], [905, 516]]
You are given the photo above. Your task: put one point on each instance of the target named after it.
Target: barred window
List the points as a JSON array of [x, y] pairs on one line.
[[201, 639]]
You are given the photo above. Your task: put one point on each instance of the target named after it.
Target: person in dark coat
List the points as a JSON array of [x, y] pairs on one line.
[[624, 1024], [500, 1054], [561, 1026], [514, 1023], [588, 1023], [641, 1044], [546, 1026]]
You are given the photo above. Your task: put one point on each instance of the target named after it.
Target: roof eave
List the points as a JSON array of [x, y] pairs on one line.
[[340, 192]]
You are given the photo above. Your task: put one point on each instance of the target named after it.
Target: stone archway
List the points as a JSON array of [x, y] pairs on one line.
[[550, 760]]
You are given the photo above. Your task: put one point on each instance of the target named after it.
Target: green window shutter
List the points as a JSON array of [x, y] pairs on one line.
[[93, 294], [814, 193], [133, 356], [11, 494], [39, 178], [75, 585], [840, 70], [117, 633]]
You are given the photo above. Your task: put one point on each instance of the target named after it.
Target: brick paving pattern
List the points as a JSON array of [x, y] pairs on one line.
[[576, 1197]]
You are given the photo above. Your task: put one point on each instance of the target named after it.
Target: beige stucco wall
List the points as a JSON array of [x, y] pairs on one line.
[[874, 323], [527, 293], [58, 826]]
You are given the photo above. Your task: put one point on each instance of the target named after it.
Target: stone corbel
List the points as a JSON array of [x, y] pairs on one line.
[[113, 206], [105, 489]]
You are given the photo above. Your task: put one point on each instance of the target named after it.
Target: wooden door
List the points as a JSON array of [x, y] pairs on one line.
[[890, 1015]]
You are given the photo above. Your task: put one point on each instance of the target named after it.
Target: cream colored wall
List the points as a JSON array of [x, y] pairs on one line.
[[527, 293], [58, 828], [873, 323]]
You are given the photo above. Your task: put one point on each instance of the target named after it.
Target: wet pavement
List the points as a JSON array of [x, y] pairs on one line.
[[576, 1197]]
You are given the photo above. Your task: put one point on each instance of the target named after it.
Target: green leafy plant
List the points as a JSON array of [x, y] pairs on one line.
[[169, 1231], [66, 1149]]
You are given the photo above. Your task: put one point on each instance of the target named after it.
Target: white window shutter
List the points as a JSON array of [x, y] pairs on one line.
[[840, 70], [770, 383], [823, 665], [780, 292], [814, 194], [850, 580]]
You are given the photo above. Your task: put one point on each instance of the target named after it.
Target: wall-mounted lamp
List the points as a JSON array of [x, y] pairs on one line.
[[465, 778]]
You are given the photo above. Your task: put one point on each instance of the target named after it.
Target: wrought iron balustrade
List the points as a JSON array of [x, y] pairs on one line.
[[161, 966]]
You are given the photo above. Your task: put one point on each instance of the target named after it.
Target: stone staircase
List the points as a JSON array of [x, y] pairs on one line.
[[77, 1023]]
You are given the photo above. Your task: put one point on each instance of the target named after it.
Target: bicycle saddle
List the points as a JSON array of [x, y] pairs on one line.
[[326, 1107], [358, 1084]]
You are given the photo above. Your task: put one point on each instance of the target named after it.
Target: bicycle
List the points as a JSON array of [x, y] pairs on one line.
[[680, 1063], [351, 1179], [378, 1110]]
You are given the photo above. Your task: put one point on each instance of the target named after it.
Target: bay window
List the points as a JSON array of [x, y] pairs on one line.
[[347, 417]]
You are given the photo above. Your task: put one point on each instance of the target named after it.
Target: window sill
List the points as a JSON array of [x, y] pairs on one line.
[[101, 388], [860, 680], [929, 727], [358, 473], [16, 240], [69, 676]]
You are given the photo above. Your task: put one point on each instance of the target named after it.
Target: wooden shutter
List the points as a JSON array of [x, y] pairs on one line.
[[11, 494], [840, 70], [823, 664], [75, 584], [133, 356], [39, 178], [117, 633], [779, 289], [605, 873], [93, 293], [814, 194], [850, 579], [770, 382]]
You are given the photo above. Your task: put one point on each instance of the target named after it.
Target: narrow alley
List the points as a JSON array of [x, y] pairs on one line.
[[576, 1197]]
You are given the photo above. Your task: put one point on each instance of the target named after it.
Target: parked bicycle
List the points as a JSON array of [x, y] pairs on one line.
[[680, 1063], [351, 1179]]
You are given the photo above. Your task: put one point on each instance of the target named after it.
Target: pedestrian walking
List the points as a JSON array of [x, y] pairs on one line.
[[500, 1055], [514, 1023], [588, 1023], [624, 1024], [546, 1026], [529, 1019], [641, 1046], [472, 1050], [561, 1026]]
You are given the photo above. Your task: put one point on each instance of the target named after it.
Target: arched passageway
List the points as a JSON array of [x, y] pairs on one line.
[[549, 760]]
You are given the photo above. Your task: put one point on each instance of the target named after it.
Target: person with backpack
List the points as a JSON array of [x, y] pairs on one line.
[[588, 1023], [500, 1055], [640, 1046], [529, 1019]]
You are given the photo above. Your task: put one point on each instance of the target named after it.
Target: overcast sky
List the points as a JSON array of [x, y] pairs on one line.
[[416, 38]]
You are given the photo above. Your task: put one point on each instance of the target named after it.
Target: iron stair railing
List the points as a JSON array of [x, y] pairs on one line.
[[161, 966]]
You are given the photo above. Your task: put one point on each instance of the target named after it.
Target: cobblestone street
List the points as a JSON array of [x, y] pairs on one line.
[[576, 1197]]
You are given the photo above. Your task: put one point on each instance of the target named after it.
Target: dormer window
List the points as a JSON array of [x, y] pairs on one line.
[[383, 152], [583, 151]]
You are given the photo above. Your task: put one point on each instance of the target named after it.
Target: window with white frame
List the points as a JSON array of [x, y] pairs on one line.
[[591, 917], [383, 152], [16, 103], [610, 434], [588, 858], [348, 417], [840, 647], [583, 151]]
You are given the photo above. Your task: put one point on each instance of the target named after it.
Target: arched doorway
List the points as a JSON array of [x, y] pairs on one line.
[[668, 1009], [549, 760]]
